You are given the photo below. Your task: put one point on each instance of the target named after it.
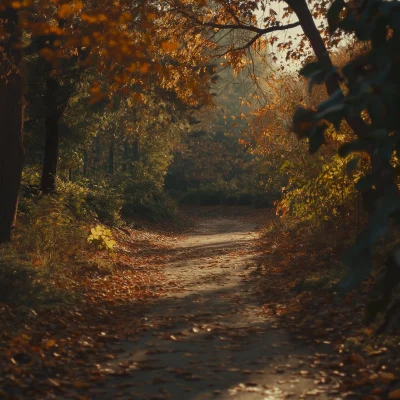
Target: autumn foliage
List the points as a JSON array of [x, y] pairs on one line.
[[117, 115]]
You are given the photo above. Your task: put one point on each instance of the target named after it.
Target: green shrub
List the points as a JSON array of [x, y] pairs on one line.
[[74, 197], [145, 197], [228, 194], [50, 234], [106, 201], [208, 194]]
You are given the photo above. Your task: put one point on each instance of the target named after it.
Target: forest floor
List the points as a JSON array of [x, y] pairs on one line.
[[221, 317]]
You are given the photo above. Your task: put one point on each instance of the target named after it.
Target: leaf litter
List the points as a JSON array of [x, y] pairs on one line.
[[229, 342]]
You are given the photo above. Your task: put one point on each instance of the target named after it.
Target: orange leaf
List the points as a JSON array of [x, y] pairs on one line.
[[49, 344], [169, 46]]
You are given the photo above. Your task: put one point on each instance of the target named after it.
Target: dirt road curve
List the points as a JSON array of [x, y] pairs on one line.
[[207, 338]]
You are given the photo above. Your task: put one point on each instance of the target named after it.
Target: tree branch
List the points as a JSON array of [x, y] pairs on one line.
[[260, 33], [237, 26]]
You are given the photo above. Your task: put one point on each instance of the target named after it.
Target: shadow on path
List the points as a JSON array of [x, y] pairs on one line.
[[207, 337]]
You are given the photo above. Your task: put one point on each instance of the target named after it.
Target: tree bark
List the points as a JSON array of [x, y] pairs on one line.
[[11, 122], [50, 162]]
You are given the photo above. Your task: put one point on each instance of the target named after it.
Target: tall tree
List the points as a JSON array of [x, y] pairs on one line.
[[125, 45], [11, 119]]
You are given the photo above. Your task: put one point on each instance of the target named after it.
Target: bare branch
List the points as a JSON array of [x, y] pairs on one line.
[[261, 33], [237, 26]]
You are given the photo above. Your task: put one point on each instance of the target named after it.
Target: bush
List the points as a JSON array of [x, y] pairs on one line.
[[228, 194], [145, 197], [210, 194], [17, 277], [49, 234], [106, 201]]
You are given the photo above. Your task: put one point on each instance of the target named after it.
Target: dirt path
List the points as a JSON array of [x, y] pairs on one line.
[[207, 338]]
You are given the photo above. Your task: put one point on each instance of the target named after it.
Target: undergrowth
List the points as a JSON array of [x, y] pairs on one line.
[[227, 194], [69, 235]]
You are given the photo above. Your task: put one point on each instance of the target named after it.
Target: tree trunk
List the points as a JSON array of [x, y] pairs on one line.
[[309, 28], [50, 162], [383, 173], [11, 123]]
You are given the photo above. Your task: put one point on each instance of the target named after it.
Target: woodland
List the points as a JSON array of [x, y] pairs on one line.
[[199, 199]]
